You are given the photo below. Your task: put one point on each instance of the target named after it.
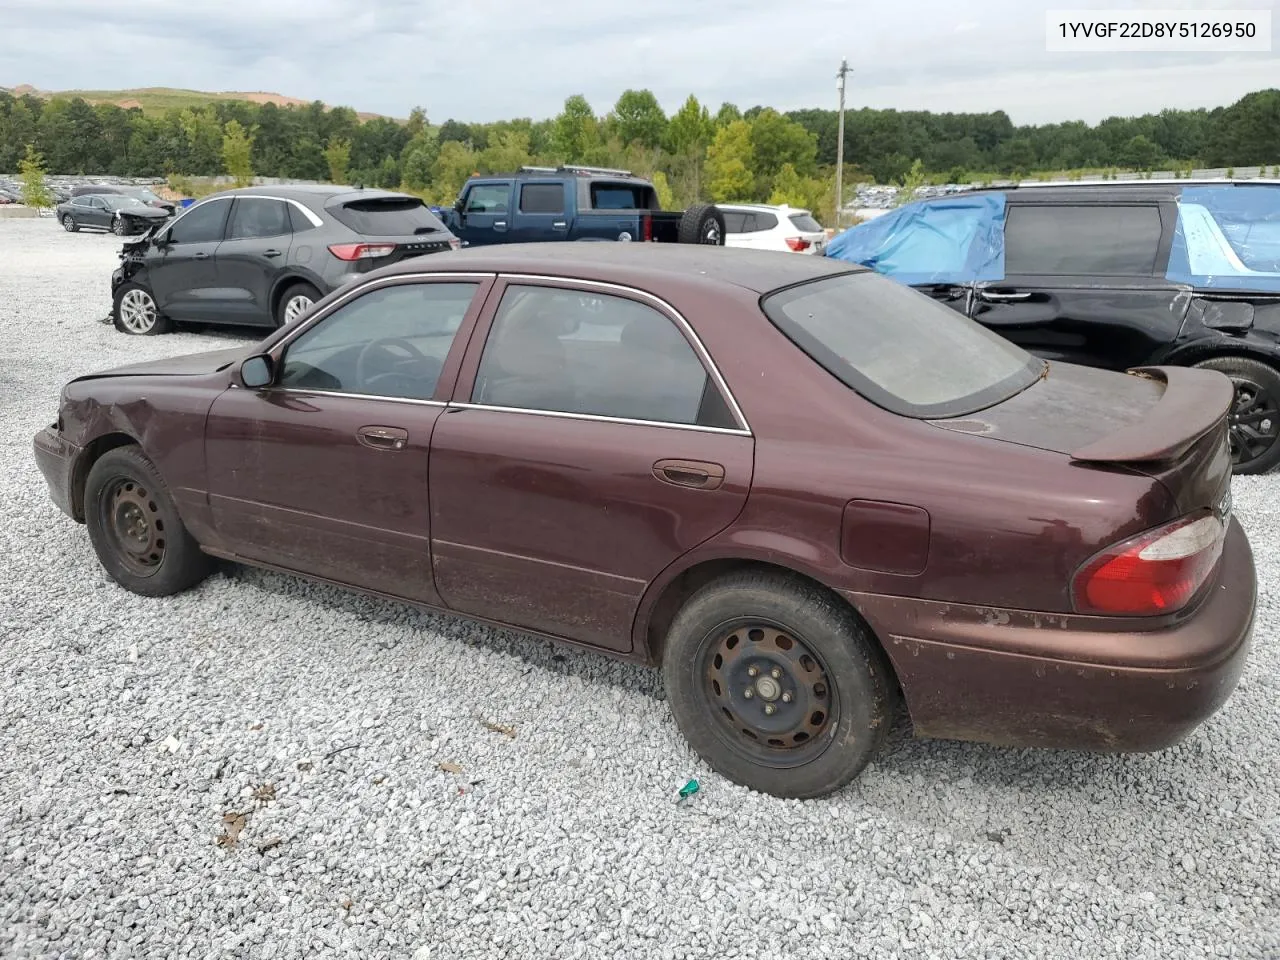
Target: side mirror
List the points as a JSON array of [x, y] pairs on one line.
[[161, 239], [459, 204], [257, 372]]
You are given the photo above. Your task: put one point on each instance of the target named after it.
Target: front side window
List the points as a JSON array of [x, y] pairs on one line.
[[1084, 240], [488, 198], [200, 224], [567, 351], [254, 217], [898, 347], [389, 342]]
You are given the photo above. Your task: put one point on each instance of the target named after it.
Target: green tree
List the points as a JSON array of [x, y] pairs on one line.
[[729, 163], [727, 114], [237, 153], [453, 166], [775, 140], [506, 153], [912, 181], [666, 199], [31, 170], [418, 159], [576, 137], [638, 118], [789, 188], [338, 155], [1140, 153], [690, 129], [417, 123]]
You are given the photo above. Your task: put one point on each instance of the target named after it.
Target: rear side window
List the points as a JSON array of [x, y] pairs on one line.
[[734, 220], [567, 351], [1083, 240], [803, 221], [387, 217], [765, 221], [542, 198], [898, 347], [201, 224], [255, 217], [623, 196]]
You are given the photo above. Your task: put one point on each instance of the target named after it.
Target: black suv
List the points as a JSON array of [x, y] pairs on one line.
[[1116, 275], [264, 255]]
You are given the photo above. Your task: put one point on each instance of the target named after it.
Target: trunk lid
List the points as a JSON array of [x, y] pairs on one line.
[[1169, 423]]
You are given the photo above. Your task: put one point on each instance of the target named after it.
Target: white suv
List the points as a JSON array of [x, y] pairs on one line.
[[762, 227]]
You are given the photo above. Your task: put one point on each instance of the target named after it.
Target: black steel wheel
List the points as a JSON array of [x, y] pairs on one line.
[[135, 528], [1254, 421], [778, 684]]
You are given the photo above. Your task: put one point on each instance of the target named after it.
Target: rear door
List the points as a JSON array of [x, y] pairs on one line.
[[486, 213], [541, 211], [587, 447], [97, 213], [183, 274], [1084, 282], [252, 256]]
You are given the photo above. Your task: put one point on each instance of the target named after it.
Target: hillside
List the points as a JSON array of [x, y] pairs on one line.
[[157, 100]]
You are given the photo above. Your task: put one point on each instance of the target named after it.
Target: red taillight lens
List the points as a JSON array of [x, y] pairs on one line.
[[455, 243], [797, 243], [361, 251], [646, 228], [1153, 573]]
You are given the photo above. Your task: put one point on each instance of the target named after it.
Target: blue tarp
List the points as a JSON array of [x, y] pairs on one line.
[[1228, 238], [952, 240]]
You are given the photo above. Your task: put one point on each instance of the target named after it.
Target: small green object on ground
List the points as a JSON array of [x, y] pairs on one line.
[[689, 789]]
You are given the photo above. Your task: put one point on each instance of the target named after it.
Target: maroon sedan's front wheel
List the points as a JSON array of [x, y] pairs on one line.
[[777, 684], [135, 528]]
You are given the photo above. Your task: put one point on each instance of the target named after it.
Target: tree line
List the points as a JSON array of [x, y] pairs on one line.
[[757, 154]]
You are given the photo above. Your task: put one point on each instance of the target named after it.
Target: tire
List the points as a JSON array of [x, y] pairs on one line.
[[286, 305], [135, 529], [702, 223], [69, 224], [842, 693], [1254, 422], [134, 311]]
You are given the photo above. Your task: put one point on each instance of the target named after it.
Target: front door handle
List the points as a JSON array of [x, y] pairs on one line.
[[560, 225], [383, 438], [271, 253], [199, 256], [992, 295], [699, 474], [499, 224]]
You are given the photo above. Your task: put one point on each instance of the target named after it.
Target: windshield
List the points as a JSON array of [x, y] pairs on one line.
[[120, 202], [899, 348]]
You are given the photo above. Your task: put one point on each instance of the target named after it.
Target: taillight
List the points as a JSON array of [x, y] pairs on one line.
[[1153, 573], [646, 227], [797, 243], [361, 251], [455, 243]]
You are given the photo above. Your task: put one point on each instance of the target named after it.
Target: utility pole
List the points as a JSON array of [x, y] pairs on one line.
[[844, 69]]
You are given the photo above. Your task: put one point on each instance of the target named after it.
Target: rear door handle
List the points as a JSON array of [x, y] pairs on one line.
[[271, 253], [499, 224], [559, 225], [992, 295], [699, 474], [383, 438]]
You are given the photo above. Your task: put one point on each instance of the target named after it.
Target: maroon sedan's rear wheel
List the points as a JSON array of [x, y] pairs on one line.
[[777, 684], [135, 528]]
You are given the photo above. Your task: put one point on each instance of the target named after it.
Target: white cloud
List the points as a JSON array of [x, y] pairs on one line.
[[490, 59]]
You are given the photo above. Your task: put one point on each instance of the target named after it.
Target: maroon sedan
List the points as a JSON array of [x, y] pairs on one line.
[[812, 495]]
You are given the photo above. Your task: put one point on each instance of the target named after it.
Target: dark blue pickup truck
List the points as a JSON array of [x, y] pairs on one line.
[[574, 203]]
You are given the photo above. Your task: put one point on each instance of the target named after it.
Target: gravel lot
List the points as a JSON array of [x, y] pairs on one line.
[[131, 727]]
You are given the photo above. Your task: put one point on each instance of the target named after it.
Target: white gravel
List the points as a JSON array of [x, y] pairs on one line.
[[130, 728]]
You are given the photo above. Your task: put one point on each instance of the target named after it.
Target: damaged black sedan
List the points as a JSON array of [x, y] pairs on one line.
[[1116, 275], [119, 214]]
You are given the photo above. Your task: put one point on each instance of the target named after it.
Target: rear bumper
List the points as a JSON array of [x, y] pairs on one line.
[[56, 457], [1046, 680]]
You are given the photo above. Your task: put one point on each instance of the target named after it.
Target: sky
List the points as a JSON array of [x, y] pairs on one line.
[[484, 60]]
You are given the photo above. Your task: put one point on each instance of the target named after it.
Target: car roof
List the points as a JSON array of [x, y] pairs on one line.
[[1103, 191], [647, 266], [307, 191], [771, 207]]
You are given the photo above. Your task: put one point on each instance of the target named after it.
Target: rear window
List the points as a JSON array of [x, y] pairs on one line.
[[387, 217], [802, 221], [898, 348]]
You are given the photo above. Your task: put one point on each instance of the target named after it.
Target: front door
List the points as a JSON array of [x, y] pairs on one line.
[[1084, 283], [252, 256], [326, 470], [486, 213], [182, 272], [586, 450]]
